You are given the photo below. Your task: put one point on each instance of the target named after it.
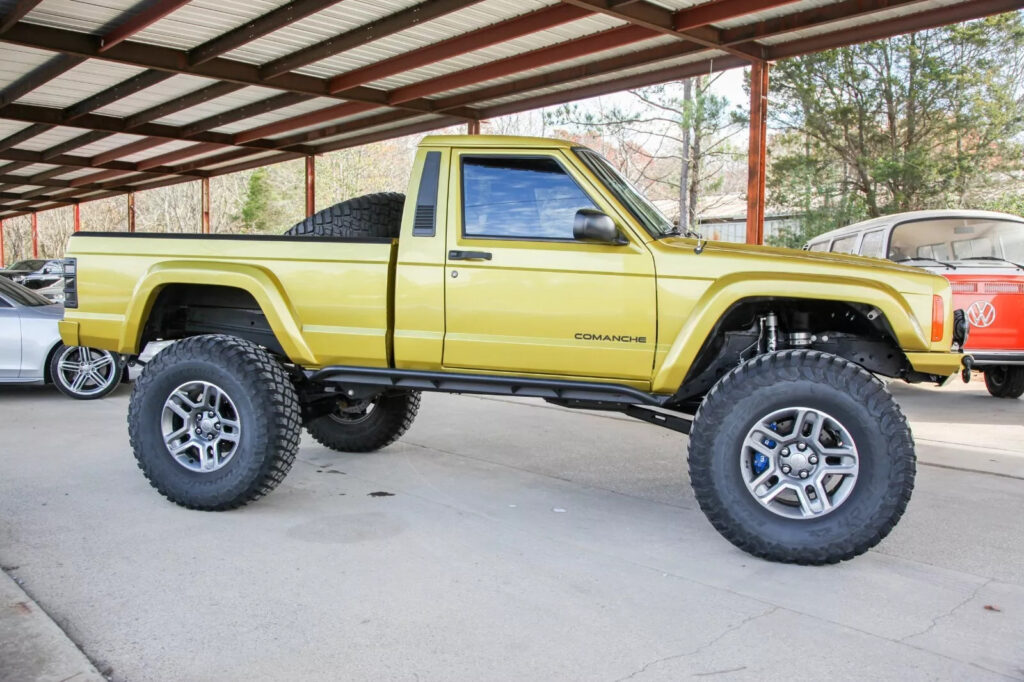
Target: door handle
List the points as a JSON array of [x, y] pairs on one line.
[[469, 255]]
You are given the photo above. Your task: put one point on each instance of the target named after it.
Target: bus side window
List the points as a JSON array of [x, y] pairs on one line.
[[845, 244], [873, 244]]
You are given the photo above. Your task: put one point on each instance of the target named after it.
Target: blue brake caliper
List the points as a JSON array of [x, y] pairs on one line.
[[760, 462]]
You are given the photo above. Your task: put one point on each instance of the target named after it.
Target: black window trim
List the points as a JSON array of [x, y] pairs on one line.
[[462, 198]]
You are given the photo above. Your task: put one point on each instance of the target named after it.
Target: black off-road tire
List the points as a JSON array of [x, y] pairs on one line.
[[825, 382], [369, 216], [267, 407], [1005, 381], [391, 416]]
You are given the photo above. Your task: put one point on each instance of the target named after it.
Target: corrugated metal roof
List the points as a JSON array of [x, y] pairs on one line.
[[163, 111]]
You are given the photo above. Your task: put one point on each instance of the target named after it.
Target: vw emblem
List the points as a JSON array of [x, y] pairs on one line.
[[981, 314]]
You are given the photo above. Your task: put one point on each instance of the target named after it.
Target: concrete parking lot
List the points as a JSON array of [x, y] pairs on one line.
[[515, 541]]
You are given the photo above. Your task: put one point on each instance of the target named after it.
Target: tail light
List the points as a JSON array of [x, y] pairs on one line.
[[70, 282], [938, 318]]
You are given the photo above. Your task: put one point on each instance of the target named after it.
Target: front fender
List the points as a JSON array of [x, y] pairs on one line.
[[257, 281], [731, 289]]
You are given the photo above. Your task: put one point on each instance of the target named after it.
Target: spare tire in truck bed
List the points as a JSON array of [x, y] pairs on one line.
[[371, 215]]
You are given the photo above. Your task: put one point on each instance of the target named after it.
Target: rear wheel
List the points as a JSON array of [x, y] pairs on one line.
[[1005, 381], [214, 422], [366, 425], [801, 457]]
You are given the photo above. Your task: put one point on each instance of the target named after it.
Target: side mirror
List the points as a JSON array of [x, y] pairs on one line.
[[591, 225]]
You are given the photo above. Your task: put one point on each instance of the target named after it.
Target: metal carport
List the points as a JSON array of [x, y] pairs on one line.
[[113, 97]]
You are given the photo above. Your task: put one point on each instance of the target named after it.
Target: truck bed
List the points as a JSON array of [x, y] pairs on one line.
[[326, 299]]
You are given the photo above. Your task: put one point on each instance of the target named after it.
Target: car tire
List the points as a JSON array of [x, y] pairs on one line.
[[214, 422], [86, 373], [368, 425], [1005, 381], [370, 216], [803, 412]]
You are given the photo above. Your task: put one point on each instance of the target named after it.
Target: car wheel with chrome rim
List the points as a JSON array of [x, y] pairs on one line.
[[85, 373]]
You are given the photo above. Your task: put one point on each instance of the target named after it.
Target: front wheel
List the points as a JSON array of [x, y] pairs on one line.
[[214, 422], [1005, 381], [366, 425], [801, 457]]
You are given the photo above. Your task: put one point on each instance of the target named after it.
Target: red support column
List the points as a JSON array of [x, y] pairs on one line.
[[1, 242], [310, 185], [473, 127], [78, 217], [131, 211], [756, 155], [35, 235], [204, 185]]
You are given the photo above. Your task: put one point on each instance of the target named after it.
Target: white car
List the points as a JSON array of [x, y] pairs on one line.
[[31, 351]]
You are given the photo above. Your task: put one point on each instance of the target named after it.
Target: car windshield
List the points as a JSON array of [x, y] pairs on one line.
[[28, 265], [953, 239], [20, 294], [652, 220]]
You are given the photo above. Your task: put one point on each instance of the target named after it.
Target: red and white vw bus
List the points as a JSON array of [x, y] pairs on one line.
[[981, 253]]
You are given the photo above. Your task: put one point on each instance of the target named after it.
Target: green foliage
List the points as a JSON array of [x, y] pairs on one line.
[[255, 213], [919, 121]]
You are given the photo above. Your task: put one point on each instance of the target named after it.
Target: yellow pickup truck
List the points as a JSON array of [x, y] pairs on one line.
[[525, 267]]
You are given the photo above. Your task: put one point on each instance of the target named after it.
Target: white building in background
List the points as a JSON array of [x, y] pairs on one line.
[[723, 217]]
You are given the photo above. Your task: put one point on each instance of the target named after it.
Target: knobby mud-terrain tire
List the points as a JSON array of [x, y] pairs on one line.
[[253, 426], [1005, 381], [368, 426], [372, 215], [859, 420]]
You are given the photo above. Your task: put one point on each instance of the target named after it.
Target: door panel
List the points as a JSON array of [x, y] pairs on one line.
[[545, 305], [10, 341]]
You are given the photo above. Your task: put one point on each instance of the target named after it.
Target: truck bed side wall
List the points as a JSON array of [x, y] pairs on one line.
[[325, 300]]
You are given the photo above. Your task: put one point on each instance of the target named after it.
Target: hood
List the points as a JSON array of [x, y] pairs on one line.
[[756, 258]]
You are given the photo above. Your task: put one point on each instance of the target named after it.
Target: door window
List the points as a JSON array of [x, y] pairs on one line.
[[845, 244], [519, 198], [873, 244]]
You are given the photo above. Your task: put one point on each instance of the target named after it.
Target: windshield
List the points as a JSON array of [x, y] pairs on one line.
[[643, 210], [20, 294], [946, 239], [28, 265]]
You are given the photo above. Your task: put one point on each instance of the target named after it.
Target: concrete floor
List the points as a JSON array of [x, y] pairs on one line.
[[520, 542]]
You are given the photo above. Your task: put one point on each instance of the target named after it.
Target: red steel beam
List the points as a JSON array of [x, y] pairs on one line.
[[204, 189], [131, 211], [570, 49], [20, 9], [375, 30], [721, 10], [502, 31], [310, 186], [473, 127], [78, 217], [324, 115], [933, 18], [140, 21], [35, 234], [756, 162], [1, 242]]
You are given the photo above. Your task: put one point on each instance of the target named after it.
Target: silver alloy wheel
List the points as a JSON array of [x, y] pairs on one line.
[[201, 426], [353, 413], [86, 371], [799, 462]]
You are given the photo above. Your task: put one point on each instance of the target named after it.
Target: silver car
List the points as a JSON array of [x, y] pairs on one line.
[[31, 351]]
